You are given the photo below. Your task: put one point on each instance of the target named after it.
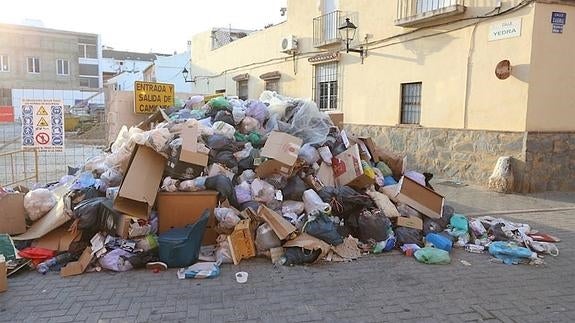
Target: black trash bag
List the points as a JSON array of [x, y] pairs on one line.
[[217, 142], [324, 229], [140, 260], [88, 214], [299, 256], [224, 186], [447, 214], [254, 205], [226, 117], [408, 235], [497, 233], [294, 189], [248, 162], [344, 199], [438, 225], [226, 158], [373, 225]]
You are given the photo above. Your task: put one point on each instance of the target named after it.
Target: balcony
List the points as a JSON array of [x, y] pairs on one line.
[[325, 28], [411, 13]]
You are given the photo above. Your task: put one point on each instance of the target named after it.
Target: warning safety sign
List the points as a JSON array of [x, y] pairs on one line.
[[43, 124]]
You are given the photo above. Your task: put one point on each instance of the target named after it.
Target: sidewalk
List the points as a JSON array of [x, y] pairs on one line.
[[377, 288]]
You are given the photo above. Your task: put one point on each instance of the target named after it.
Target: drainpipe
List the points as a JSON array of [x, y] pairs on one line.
[[468, 76]]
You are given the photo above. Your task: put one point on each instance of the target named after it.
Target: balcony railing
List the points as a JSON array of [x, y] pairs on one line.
[[414, 12], [326, 28]]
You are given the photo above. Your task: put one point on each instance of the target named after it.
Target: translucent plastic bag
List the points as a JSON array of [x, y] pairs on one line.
[[169, 184], [258, 110], [193, 185], [293, 207], [112, 177], [39, 202], [248, 125], [309, 154], [432, 256], [222, 128], [116, 260], [223, 253], [310, 124], [243, 192], [248, 175], [227, 218], [200, 270], [262, 191], [266, 238]]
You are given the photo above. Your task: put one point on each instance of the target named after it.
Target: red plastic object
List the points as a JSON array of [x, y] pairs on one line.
[[37, 255]]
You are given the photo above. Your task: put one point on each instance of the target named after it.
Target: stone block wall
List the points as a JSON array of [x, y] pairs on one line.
[[549, 162]]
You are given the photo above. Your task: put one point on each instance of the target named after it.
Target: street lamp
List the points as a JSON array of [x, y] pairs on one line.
[[185, 74], [347, 33]]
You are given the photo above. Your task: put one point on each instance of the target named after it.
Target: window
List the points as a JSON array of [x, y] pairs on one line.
[[243, 89], [63, 67], [88, 69], [87, 51], [4, 63], [326, 86], [33, 65], [273, 85], [410, 103], [430, 5], [91, 82]]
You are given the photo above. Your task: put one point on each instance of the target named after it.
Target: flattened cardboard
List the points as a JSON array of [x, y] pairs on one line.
[[282, 228], [241, 242], [325, 175], [348, 169], [308, 242], [78, 267], [336, 118], [409, 222], [178, 209], [420, 198], [139, 187], [58, 240], [12, 214], [384, 203], [3, 275], [189, 151]]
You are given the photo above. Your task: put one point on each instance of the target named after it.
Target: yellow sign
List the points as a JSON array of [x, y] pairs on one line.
[[149, 96], [42, 123], [42, 111]]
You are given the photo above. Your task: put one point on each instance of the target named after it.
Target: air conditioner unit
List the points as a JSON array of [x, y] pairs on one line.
[[288, 44]]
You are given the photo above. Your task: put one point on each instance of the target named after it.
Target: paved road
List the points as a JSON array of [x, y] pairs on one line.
[[379, 288]]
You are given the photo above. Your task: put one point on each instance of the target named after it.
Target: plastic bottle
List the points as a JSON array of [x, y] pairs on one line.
[[60, 259], [438, 241]]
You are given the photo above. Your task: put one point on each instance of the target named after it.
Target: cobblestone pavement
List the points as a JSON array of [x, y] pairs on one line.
[[389, 287]]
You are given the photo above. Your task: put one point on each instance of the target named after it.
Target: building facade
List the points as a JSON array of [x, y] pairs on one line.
[[452, 84], [41, 63]]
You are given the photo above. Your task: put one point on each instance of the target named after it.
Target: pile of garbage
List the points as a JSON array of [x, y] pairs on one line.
[[206, 184]]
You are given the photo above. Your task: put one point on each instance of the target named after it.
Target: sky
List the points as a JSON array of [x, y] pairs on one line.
[[142, 25]]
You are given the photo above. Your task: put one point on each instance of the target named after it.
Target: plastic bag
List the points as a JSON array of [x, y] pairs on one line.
[[112, 177], [266, 238], [294, 189], [310, 124], [238, 113], [200, 270], [309, 154], [408, 236], [116, 260], [258, 110], [432, 256], [248, 125], [344, 199], [244, 153], [321, 227], [223, 253], [248, 175], [510, 253], [243, 192], [193, 185], [313, 203], [218, 142], [194, 102], [85, 180], [222, 128], [38, 202], [224, 186], [299, 256], [97, 165], [385, 170], [262, 191], [169, 184], [225, 116], [227, 218], [292, 207], [373, 225], [219, 103], [158, 139]]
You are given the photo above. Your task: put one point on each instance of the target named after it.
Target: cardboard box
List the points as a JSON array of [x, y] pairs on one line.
[[178, 209], [59, 239], [348, 170], [241, 242], [189, 151], [336, 118], [281, 226], [409, 222], [139, 187], [12, 214], [78, 267], [325, 175], [420, 198], [283, 150], [3, 275]]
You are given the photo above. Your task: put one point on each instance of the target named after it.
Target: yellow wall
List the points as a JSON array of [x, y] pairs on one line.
[[552, 89], [455, 62]]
